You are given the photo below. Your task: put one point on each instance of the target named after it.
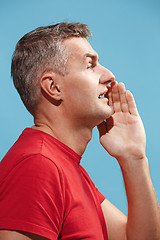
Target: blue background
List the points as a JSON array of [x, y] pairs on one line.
[[126, 35]]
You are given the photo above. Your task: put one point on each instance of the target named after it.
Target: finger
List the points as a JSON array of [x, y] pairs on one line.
[[113, 83], [122, 94], [116, 98], [131, 103], [109, 96]]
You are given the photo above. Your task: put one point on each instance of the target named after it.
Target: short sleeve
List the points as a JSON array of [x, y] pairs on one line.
[[31, 197], [101, 197]]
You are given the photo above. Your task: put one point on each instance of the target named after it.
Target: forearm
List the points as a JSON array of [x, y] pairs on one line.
[[143, 210]]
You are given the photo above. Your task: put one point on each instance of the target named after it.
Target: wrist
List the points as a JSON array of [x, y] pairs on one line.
[[136, 175], [131, 164]]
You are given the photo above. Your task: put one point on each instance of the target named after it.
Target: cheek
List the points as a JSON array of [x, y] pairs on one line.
[[81, 86]]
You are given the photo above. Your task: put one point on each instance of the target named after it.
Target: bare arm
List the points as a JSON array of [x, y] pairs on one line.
[[19, 235], [123, 136], [116, 221]]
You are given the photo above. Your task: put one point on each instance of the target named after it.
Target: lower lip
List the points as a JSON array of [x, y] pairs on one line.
[[104, 99]]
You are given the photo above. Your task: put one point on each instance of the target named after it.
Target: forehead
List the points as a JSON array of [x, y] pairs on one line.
[[79, 47]]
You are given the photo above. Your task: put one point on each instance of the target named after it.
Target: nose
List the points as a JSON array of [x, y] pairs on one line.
[[106, 76]]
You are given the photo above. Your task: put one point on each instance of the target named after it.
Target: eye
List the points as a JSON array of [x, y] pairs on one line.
[[90, 66]]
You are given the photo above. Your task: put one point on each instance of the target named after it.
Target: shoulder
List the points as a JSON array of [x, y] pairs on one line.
[[34, 150], [32, 174]]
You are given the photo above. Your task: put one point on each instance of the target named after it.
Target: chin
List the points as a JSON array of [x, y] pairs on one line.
[[107, 113], [103, 117]]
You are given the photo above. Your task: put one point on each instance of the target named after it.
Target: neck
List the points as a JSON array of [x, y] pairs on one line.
[[76, 138]]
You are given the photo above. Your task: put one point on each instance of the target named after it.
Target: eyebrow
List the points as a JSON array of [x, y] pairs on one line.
[[93, 56]]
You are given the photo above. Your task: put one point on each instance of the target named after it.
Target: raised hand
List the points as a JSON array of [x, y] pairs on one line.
[[123, 135]]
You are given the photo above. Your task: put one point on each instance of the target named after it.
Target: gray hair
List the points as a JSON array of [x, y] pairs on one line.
[[38, 51]]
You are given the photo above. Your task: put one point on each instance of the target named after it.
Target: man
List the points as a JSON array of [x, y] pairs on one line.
[[44, 191]]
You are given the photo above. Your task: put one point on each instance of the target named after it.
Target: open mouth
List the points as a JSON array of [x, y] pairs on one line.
[[101, 96], [104, 96]]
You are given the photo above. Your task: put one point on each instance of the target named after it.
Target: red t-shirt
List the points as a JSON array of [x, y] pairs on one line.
[[44, 190]]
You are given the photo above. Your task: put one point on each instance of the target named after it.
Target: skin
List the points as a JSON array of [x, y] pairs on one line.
[[123, 137], [74, 99]]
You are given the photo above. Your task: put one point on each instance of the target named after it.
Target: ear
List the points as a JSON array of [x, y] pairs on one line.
[[50, 86]]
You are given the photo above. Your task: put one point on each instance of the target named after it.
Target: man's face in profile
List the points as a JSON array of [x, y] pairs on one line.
[[85, 84]]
